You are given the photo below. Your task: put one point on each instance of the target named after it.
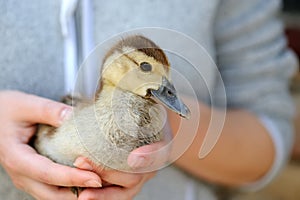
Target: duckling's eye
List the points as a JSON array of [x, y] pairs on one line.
[[146, 67]]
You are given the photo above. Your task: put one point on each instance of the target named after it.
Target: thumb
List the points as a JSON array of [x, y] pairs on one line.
[[34, 109], [149, 157]]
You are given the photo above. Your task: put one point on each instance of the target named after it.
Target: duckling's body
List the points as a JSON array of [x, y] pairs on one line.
[[124, 116], [120, 127]]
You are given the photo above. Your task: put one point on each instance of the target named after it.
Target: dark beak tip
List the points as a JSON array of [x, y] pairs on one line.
[[186, 113]]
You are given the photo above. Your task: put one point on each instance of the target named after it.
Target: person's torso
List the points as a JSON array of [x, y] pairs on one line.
[[32, 56]]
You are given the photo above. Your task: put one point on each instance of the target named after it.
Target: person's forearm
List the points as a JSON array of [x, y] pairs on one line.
[[243, 153]]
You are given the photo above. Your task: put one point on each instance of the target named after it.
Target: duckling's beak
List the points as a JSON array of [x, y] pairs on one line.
[[166, 94]]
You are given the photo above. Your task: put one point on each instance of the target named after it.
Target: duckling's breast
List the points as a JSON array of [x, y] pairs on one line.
[[133, 121]]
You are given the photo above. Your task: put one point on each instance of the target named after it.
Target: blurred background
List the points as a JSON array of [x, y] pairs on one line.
[[287, 185]]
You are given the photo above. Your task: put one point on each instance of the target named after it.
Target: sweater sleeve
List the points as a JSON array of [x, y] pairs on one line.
[[256, 66]]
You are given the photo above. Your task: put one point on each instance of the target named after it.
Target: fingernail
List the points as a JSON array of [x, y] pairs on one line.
[[65, 114], [82, 164], [93, 183], [137, 161]]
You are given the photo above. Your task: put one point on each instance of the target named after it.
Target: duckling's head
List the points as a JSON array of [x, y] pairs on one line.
[[138, 65]]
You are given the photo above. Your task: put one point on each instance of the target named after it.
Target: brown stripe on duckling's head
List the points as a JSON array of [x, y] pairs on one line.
[[144, 45]]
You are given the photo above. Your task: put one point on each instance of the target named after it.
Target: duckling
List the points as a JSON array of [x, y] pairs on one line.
[[124, 115]]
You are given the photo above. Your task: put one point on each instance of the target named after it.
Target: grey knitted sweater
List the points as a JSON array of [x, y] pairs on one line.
[[243, 37]]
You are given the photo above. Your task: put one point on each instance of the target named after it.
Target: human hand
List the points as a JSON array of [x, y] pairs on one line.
[[118, 185], [29, 171]]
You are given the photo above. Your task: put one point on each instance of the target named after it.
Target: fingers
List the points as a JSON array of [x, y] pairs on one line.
[[44, 170], [116, 192], [34, 109], [46, 192], [115, 177]]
